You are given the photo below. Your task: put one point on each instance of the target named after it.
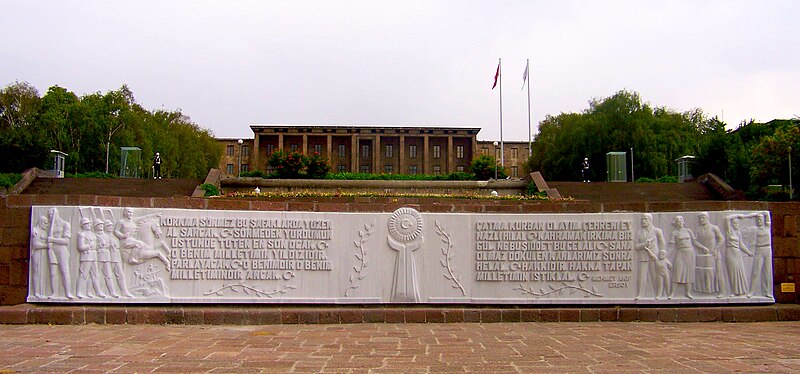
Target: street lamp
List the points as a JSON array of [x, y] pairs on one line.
[[495, 160], [240, 141], [110, 133], [791, 189]]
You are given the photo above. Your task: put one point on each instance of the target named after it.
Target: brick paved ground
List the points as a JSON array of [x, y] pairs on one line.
[[407, 348]]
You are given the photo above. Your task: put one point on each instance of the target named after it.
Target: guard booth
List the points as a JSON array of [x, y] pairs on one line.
[[616, 167], [684, 168], [130, 164], [58, 163]]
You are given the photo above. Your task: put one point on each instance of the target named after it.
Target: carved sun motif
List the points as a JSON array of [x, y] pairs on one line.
[[405, 225]]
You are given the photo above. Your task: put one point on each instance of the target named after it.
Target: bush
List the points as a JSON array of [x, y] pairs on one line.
[[484, 167], [664, 179], [92, 174], [255, 174], [8, 180], [458, 176], [210, 189], [317, 167]]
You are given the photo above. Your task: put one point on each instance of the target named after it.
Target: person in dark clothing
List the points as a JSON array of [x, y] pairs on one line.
[[585, 169], [157, 166]]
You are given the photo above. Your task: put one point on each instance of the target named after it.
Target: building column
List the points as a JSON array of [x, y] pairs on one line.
[[255, 152], [305, 144], [426, 162], [377, 162], [401, 155], [354, 153], [329, 139], [280, 141], [451, 156]]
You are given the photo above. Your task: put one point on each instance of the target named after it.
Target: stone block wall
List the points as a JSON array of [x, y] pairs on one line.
[[15, 222]]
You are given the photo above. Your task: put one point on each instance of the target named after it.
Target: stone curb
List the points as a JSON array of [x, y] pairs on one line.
[[268, 315]]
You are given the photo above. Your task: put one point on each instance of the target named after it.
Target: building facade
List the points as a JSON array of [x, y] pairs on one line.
[[365, 149]]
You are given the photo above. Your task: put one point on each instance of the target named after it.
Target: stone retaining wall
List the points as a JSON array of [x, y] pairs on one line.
[[15, 222]]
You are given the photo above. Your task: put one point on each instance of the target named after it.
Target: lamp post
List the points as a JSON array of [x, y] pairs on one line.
[[240, 141], [110, 133], [791, 189], [495, 160]]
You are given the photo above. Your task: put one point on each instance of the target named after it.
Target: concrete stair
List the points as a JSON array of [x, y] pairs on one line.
[[607, 192], [132, 187]]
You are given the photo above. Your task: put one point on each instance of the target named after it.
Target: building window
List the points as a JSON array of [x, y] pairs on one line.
[[245, 151], [514, 153], [245, 168], [437, 151], [412, 169], [460, 168], [270, 169], [318, 149], [341, 168], [437, 170], [365, 151], [460, 151], [293, 147], [389, 150], [365, 168], [514, 171], [388, 169], [230, 150], [412, 151], [229, 168], [497, 153], [270, 149], [342, 149], [485, 151]]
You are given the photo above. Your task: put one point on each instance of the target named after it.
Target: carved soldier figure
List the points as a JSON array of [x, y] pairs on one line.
[[116, 258], [87, 247], [58, 237], [104, 255]]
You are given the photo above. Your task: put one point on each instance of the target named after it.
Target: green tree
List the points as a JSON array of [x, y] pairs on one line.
[[484, 166], [21, 144]]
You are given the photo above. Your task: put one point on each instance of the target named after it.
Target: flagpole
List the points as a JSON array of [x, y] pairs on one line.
[[530, 139], [502, 156]]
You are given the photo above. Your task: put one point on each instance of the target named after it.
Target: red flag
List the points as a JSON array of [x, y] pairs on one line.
[[496, 75]]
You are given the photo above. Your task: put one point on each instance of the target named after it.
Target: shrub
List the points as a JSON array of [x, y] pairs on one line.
[[8, 180], [484, 167], [210, 189], [317, 167]]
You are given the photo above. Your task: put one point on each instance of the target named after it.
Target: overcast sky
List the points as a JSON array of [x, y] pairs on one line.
[[229, 64]]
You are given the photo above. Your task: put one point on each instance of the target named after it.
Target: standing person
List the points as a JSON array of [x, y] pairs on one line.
[[710, 274], [58, 236], [762, 261], [684, 241], [733, 255], [585, 169], [87, 247], [157, 166], [39, 246], [649, 240]]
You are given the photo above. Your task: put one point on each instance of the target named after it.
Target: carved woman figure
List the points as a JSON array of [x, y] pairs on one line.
[[710, 270], [39, 255], [762, 260], [733, 255], [685, 242]]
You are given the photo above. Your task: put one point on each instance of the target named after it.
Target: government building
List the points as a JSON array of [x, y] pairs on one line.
[[371, 149]]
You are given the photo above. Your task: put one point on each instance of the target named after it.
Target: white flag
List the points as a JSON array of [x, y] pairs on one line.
[[525, 75]]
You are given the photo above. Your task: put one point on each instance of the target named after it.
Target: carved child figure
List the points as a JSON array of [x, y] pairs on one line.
[[662, 269]]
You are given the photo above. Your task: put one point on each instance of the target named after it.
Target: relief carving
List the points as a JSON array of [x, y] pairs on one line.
[[405, 237]]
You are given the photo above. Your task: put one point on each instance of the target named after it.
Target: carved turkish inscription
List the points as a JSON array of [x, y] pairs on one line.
[[554, 251], [144, 255], [246, 249]]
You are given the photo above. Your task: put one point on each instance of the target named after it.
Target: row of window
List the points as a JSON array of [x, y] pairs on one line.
[[388, 169], [366, 150], [231, 151], [514, 152], [245, 168]]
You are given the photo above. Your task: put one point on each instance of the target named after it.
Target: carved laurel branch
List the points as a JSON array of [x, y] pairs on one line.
[[447, 257], [361, 256], [559, 290], [248, 289]]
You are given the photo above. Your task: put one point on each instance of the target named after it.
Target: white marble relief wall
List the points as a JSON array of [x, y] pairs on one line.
[[85, 254]]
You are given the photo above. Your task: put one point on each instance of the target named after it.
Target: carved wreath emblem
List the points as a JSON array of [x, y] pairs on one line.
[[405, 225]]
